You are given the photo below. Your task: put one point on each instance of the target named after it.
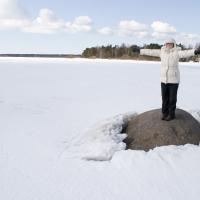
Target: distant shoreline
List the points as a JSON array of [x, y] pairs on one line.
[[24, 55], [42, 55]]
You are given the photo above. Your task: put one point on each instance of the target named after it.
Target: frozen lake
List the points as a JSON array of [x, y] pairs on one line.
[[47, 105]]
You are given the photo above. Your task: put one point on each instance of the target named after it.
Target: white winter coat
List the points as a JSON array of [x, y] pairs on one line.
[[169, 72]]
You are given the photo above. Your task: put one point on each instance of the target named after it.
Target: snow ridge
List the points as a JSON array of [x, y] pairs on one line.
[[102, 140]]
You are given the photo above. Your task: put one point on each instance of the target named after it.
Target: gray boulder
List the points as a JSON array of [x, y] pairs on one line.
[[147, 130]]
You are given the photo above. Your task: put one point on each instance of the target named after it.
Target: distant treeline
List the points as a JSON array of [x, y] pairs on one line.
[[41, 55], [122, 51]]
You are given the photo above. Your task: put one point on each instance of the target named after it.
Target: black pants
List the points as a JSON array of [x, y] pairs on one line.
[[169, 98]]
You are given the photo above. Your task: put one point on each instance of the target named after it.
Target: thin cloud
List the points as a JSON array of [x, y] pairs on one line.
[[45, 23], [163, 27], [12, 9], [80, 24], [131, 27], [12, 15], [188, 38], [105, 31]]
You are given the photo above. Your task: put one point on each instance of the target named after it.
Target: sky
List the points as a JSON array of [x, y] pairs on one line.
[[70, 26]]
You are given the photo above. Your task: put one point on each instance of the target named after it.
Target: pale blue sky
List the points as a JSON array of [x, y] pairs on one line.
[[177, 19]]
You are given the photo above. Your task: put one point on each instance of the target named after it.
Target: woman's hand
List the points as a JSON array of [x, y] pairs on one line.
[[197, 51]]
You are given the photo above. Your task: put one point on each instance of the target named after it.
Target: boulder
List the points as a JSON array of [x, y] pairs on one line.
[[146, 131]]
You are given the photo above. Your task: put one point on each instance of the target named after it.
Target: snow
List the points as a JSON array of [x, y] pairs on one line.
[[60, 131], [103, 139]]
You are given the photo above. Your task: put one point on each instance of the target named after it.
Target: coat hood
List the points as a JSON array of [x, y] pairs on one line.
[[170, 40]]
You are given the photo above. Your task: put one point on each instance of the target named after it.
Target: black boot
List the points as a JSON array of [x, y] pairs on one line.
[[170, 117], [164, 116]]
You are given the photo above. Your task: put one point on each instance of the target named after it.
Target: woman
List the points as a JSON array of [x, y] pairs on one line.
[[170, 74]]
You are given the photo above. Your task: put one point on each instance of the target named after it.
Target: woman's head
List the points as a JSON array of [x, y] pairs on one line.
[[170, 43]]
